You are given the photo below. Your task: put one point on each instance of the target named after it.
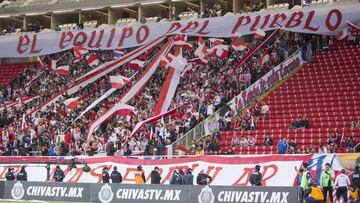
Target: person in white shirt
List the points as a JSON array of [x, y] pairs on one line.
[[264, 111], [342, 182]]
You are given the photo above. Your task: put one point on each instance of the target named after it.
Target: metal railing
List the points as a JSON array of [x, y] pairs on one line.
[[199, 131]]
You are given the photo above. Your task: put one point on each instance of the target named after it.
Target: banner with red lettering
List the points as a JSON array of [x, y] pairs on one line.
[[327, 20], [277, 170]]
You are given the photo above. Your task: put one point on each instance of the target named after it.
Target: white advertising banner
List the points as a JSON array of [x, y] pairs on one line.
[[321, 20], [277, 170]]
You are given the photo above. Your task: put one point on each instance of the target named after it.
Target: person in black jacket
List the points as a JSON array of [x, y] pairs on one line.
[[105, 175], [155, 176], [355, 178], [116, 176], [59, 174], [188, 178], [10, 176], [175, 178], [256, 177], [203, 179], [22, 175]]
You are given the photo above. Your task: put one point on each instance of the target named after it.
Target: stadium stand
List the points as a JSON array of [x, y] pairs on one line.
[[322, 93], [9, 72]]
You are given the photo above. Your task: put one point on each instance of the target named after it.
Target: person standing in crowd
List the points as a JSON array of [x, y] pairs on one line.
[[305, 181], [22, 175], [189, 177], [282, 146], [300, 173], [10, 176], [342, 182], [264, 111], [175, 178], [314, 194], [116, 176], [181, 174], [105, 175], [355, 178], [256, 177], [327, 182], [59, 174], [203, 178], [155, 176], [140, 176]]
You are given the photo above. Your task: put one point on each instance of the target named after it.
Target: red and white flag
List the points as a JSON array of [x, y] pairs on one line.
[[342, 34], [92, 60], [24, 125], [216, 41], [79, 51], [63, 70], [52, 65], [265, 57], [136, 64], [39, 62], [220, 51], [118, 81], [199, 60], [353, 26], [166, 60], [72, 103], [183, 44], [201, 51], [259, 33], [238, 46]]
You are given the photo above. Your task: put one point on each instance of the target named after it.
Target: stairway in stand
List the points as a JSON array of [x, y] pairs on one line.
[[327, 92]]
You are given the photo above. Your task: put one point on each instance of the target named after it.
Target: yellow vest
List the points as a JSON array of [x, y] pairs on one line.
[[317, 193], [138, 177]]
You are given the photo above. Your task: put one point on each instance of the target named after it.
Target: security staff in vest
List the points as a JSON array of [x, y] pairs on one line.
[[22, 175], [59, 174], [256, 177], [342, 182], [355, 178], [314, 194], [10, 176], [116, 176], [140, 176], [305, 181], [155, 176], [105, 175], [327, 179]]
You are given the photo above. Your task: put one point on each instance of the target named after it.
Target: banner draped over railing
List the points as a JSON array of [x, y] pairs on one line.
[[327, 20], [135, 89]]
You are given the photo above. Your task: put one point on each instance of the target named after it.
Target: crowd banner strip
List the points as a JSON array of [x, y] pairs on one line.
[[134, 90], [169, 87], [327, 20], [141, 124], [23, 100], [113, 193], [105, 69]]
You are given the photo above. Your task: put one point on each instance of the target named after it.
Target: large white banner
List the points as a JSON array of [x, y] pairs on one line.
[[322, 20], [224, 170]]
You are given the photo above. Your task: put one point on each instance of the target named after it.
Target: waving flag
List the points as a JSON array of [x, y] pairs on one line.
[[183, 44], [63, 70], [216, 41], [265, 57], [342, 34], [353, 26], [201, 51], [118, 53], [52, 65], [166, 60], [39, 62], [79, 51], [118, 81], [92, 60], [136, 64], [259, 33], [24, 125], [237, 45], [220, 51], [199, 60], [72, 103]]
